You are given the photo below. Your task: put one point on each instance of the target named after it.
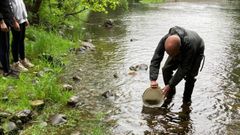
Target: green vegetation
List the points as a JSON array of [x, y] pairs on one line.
[[51, 24], [29, 87], [152, 1]]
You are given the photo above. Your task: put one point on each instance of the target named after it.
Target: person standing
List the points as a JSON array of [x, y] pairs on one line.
[[185, 49], [6, 20], [20, 63]]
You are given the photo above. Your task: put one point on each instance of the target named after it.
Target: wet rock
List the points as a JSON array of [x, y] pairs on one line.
[[80, 50], [88, 46], [138, 67], [143, 67], [12, 128], [115, 75], [133, 73], [73, 101], [19, 124], [24, 116], [108, 23], [107, 94], [79, 69], [4, 115], [37, 104], [67, 87], [58, 119], [76, 78]]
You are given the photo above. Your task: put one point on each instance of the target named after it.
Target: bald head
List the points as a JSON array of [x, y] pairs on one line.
[[172, 45]]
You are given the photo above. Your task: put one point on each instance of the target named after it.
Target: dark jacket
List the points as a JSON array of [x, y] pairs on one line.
[[191, 46], [5, 12]]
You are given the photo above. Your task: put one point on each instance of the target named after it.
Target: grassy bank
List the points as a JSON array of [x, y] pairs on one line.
[[43, 82]]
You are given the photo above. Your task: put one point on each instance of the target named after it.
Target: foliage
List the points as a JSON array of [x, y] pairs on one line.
[[56, 12], [152, 1]]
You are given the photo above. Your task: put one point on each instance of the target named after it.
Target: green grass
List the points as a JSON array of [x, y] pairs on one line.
[[48, 87], [21, 91]]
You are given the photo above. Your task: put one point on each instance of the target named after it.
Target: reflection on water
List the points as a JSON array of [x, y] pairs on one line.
[[132, 40], [163, 121]]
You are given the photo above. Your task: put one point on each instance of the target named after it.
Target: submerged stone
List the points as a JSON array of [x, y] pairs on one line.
[[73, 101], [108, 23], [138, 67], [67, 87], [115, 75], [107, 94], [76, 78]]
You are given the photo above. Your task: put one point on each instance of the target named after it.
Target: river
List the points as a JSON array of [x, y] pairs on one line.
[[216, 99]]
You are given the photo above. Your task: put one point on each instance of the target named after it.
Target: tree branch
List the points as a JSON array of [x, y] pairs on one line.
[[74, 13]]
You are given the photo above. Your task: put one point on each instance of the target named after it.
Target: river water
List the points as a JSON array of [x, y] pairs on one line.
[[216, 98]]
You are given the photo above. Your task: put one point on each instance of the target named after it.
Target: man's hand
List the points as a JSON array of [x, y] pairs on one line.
[[3, 26], [154, 84], [166, 90], [27, 23], [16, 26]]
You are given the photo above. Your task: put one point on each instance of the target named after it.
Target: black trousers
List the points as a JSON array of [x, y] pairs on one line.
[[172, 64], [4, 51], [18, 45]]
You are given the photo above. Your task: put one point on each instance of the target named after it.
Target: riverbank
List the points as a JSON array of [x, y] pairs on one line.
[[50, 53]]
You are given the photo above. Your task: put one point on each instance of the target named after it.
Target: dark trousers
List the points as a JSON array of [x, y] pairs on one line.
[[18, 46], [172, 64], [4, 51]]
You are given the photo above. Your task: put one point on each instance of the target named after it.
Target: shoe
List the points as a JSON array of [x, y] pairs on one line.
[[26, 63], [19, 67], [12, 73]]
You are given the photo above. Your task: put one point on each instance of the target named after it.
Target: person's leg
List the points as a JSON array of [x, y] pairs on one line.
[[190, 78], [15, 44], [188, 89], [21, 42], [167, 70], [4, 51], [25, 62]]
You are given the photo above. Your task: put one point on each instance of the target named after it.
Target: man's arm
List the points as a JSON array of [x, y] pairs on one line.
[[183, 68], [156, 59]]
